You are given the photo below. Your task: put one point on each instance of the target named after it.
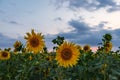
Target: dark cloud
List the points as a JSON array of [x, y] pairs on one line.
[[6, 41], [84, 34], [115, 8], [104, 3], [90, 5], [80, 27]]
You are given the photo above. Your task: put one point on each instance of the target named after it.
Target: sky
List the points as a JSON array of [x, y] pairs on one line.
[[79, 21]]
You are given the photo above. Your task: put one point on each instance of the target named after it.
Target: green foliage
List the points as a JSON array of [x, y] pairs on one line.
[[59, 40], [107, 37], [99, 65]]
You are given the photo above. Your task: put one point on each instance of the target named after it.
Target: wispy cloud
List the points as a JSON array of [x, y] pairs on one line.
[[14, 22]]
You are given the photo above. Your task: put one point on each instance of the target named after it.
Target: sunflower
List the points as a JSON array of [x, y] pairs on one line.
[[108, 45], [4, 55], [107, 49], [79, 47], [67, 54], [17, 44], [86, 48], [34, 42]]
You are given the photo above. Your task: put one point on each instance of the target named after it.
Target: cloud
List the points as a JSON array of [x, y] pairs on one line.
[[116, 37], [14, 22], [79, 26], [90, 5], [83, 34], [117, 32], [115, 8], [101, 25], [6, 41]]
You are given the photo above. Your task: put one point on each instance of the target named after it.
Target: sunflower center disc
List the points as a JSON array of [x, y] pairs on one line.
[[4, 54], [86, 48], [66, 54], [34, 42]]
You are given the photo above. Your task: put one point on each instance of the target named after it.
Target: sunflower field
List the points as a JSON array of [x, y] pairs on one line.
[[67, 61]]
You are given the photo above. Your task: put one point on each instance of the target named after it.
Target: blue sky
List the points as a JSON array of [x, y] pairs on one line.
[[79, 21]]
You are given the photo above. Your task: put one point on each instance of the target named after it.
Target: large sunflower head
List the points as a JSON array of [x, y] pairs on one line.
[[35, 42], [4, 55], [67, 54]]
